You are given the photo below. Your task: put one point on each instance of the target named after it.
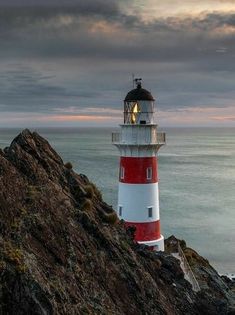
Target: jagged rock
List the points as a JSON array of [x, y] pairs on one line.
[[58, 257], [215, 288]]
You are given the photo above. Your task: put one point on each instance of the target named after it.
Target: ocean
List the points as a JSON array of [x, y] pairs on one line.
[[196, 180]]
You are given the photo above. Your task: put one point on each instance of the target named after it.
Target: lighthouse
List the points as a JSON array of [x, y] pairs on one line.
[[138, 143]]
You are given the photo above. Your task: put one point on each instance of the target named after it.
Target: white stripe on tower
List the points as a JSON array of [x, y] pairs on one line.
[[145, 196]]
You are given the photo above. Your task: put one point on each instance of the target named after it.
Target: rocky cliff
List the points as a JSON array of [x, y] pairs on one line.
[[63, 250]]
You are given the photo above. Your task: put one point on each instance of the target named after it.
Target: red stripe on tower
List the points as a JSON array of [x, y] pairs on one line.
[[134, 170], [138, 143], [145, 231]]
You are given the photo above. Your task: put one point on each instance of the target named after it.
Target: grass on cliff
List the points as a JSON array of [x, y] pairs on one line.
[[68, 165], [92, 191], [86, 205], [89, 190], [193, 258], [14, 255], [33, 192], [110, 218]]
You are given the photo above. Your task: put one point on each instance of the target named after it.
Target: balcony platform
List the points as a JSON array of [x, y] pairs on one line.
[[138, 139]]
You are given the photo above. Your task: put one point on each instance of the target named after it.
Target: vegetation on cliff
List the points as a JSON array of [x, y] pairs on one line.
[[64, 251]]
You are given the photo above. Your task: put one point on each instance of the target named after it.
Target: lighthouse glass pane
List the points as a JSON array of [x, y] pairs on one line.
[[150, 212], [135, 113], [139, 112]]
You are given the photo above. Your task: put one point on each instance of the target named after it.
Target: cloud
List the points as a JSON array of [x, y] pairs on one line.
[[72, 58], [35, 7], [109, 112], [199, 116], [25, 88], [224, 118], [85, 31], [32, 120]]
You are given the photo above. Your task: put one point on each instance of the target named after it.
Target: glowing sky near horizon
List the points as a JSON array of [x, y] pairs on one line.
[[152, 9], [70, 62]]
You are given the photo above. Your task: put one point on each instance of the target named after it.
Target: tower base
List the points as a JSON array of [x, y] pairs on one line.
[[156, 245]]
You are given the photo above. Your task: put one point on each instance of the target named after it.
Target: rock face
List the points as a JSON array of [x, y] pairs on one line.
[[63, 250]]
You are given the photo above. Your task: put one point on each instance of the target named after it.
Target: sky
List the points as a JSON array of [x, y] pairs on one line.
[[70, 62]]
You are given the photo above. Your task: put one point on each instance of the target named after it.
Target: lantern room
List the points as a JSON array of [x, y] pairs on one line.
[[139, 106]]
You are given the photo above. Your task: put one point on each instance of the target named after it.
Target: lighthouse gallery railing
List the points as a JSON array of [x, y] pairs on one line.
[[157, 138]]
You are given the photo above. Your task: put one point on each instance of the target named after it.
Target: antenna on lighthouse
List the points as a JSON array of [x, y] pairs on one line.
[[138, 82], [133, 80]]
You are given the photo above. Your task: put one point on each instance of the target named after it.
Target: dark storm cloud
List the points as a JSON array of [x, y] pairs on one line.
[[78, 32], [83, 6], [16, 17]]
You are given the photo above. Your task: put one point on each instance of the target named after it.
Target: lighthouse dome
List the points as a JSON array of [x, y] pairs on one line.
[[138, 94]]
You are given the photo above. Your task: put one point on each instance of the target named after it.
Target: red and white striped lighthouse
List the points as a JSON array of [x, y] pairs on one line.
[[138, 143]]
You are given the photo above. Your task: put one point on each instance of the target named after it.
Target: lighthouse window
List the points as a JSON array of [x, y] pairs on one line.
[[122, 172], [149, 173], [150, 212], [120, 210], [134, 113]]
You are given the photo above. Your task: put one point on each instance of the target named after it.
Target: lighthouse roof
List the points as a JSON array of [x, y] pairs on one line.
[[139, 94]]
